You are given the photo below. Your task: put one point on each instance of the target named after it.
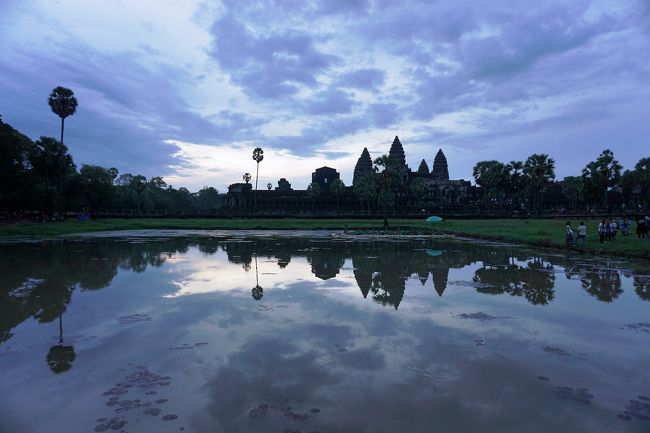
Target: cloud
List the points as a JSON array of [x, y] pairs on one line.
[[364, 79], [267, 66], [323, 79], [329, 102]]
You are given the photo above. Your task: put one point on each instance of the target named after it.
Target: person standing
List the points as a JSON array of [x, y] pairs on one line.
[[613, 228], [582, 234], [640, 224], [569, 234], [601, 231]]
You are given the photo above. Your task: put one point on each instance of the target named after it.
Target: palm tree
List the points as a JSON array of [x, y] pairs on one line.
[[337, 188], [313, 191], [63, 104], [269, 186], [246, 177], [258, 156], [386, 167], [540, 171]]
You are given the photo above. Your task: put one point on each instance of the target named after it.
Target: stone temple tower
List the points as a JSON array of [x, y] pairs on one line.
[[424, 168], [440, 170], [397, 152], [363, 167]]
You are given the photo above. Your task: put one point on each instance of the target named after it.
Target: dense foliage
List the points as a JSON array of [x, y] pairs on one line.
[[36, 176]]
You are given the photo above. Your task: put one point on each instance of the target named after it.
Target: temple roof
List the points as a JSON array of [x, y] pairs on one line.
[[440, 170], [397, 151], [424, 168], [363, 167]]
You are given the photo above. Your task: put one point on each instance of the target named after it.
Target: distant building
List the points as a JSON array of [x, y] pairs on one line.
[[324, 177]]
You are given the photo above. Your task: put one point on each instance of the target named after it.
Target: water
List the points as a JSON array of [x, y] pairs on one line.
[[263, 334]]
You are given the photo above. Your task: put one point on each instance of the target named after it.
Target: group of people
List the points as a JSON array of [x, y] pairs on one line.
[[607, 230]]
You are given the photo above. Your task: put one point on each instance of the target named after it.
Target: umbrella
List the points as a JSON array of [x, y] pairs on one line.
[[433, 219]]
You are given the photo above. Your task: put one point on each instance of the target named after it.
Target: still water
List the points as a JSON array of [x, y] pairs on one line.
[[182, 333]]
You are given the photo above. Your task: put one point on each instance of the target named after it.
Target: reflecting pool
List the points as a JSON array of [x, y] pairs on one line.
[[181, 332]]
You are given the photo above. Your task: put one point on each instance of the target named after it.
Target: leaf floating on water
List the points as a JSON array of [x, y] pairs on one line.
[[154, 411], [133, 318], [581, 395], [555, 351], [479, 316]]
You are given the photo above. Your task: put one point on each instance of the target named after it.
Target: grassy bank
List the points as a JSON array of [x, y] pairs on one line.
[[545, 233]]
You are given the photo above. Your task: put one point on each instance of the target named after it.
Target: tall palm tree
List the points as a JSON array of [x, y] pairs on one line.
[[539, 170], [63, 104], [258, 156], [337, 188], [387, 169]]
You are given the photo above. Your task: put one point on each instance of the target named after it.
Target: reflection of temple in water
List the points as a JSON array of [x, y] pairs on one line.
[[381, 270]]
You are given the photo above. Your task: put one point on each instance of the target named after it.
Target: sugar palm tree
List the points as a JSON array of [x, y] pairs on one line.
[[337, 188], [386, 167], [63, 104], [258, 156], [246, 177], [539, 170]]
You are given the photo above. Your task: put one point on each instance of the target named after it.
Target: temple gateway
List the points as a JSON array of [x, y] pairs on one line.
[[437, 192]]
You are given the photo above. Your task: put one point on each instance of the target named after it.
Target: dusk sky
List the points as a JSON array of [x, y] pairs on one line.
[[186, 89]]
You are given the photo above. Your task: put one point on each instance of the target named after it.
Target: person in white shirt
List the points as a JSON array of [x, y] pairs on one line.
[[568, 234], [582, 234], [601, 231]]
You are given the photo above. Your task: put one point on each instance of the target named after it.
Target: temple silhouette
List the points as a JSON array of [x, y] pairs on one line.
[[441, 191]]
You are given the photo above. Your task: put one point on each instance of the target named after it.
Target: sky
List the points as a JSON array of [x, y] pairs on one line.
[[187, 89]]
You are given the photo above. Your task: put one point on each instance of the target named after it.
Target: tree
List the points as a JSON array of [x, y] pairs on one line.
[[63, 104], [366, 189], [50, 161], [269, 186], [572, 188], [516, 182], [338, 188], [246, 177], [493, 176], [387, 169], [539, 170], [601, 174], [313, 191], [642, 172], [208, 198], [15, 182], [419, 188], [96, 187], [138, 185], [258, 156]]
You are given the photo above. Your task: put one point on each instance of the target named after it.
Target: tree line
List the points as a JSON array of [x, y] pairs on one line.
[[42, 176], [524, 184]]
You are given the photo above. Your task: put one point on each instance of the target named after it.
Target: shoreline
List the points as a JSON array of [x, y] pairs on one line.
[[531, 233]]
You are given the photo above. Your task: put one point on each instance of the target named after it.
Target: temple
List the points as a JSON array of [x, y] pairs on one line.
[[435, 190]]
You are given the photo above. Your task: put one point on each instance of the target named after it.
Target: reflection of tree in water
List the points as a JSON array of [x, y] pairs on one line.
[[60, 358], [642, 286], [602, 283], [239, 252], [535, 281], [37, 280], [257, 291]]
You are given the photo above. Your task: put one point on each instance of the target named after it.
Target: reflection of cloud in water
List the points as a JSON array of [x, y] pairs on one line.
[[214, 273]]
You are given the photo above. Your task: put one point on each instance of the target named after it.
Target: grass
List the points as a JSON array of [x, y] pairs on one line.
[[542, 232]]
